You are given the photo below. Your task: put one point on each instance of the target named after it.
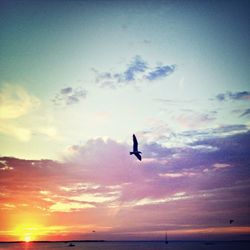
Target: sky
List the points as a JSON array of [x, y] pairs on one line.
[[79, 78]]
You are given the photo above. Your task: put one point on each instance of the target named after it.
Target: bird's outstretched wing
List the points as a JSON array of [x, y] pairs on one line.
[[138, 156], [135, 144]]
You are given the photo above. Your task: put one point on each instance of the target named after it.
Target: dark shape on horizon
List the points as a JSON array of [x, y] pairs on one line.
[[231, 221], [209, 243], [166, 237], [71, 245], [135, 149], [93, 231]]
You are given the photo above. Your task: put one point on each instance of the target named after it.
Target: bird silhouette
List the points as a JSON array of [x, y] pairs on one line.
[[135, 149], [231, 221]]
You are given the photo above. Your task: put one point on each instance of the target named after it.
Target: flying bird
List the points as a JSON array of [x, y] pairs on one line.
[[135, 149], [231, 221]]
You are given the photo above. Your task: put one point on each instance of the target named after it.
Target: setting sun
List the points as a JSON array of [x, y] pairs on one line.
[[28, 233], [27, 238]]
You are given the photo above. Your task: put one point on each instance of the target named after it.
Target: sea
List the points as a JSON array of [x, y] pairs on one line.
[[118, 245]]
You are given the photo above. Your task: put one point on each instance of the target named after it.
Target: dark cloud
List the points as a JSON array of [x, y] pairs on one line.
[[160, 71], [219, 132], [108, 79], [146, 41], [69, 96], [67, 90], [246, 113], [137, 70], [136, 66], [221, 97], [243, 95], [232, 150]]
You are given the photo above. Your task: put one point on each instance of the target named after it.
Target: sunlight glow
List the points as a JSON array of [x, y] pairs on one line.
[[27, 238], [28, 233]]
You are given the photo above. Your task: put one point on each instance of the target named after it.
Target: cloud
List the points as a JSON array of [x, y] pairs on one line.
[[160, 71], [245, 113], [177, 175], [146, 41], [15, 101], [220, 132], [235, 96], [69, 96], [136, 66], [115, 188], [130, 74], [66, 91], [192, 120], [218, 166], [221, 97], [68, 207], [230, 151], [137, 70], [20, 133]]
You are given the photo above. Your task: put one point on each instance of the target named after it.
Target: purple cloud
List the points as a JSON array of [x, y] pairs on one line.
[[197, 186]]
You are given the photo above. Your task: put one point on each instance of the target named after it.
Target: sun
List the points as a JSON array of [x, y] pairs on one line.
[[28, 232], [27, 238]]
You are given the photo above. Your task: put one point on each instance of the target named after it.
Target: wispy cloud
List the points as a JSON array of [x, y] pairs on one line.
[[15, 101], [192, 120], [236, 96], [137, 70], [245, 113], [68, 207], [69, 96], [13, 130]]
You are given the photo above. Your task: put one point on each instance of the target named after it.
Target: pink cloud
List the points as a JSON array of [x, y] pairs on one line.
[[100, 185]]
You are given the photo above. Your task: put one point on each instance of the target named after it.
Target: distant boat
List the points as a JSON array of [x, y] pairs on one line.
[[71, 245], [166, 238]]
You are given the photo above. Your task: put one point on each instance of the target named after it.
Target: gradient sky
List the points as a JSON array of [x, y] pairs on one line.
[[78, 78]]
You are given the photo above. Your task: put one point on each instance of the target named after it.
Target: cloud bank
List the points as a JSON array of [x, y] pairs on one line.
[[208, 177]]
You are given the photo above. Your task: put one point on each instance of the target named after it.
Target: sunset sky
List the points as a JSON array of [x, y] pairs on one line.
[[78, 78]]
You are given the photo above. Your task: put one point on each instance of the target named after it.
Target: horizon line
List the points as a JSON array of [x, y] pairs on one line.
[[67, 241]]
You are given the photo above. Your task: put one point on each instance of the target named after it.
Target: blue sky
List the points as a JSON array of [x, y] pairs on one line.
[[74, 74], [47, 47]]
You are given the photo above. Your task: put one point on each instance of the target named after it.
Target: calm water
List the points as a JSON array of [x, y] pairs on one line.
[[127, 246]]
